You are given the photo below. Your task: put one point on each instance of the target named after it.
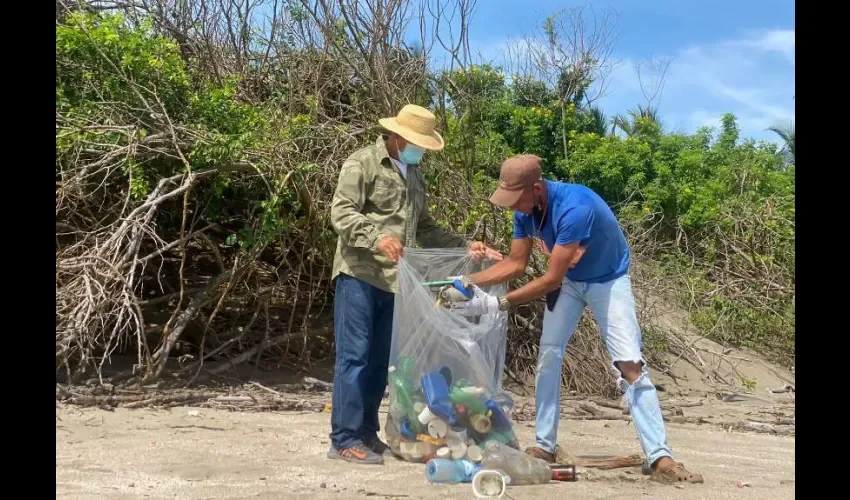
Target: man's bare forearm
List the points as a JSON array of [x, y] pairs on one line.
[[560, 260], [500, 272], [533, 289]]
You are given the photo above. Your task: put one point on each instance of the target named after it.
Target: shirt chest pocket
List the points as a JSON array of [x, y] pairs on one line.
[[387, 195]]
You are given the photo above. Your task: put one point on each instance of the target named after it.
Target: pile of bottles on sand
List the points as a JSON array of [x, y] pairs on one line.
[[460, 432]]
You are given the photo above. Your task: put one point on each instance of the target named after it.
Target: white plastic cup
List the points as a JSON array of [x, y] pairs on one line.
[[456, 436], [425, 416], [489, 484], [437, 428], [474, 453], [459, 452]]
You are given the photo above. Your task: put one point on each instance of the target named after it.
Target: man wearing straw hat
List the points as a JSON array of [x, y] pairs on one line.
[[588, 266], [379, 208]]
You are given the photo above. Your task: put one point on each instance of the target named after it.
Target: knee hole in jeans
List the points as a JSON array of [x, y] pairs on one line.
[[630, 370]]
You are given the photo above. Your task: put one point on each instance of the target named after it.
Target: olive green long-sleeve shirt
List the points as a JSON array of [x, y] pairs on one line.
[[373, 199]]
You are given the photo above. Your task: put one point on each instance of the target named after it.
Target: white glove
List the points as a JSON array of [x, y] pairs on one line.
[[482, 303]]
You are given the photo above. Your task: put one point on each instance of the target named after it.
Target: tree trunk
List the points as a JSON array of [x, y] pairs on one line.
[[564, 128]]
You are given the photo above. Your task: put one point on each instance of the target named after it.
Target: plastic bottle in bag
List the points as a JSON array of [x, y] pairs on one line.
[[405, 367], [507, 437], [472, 402], [456, 355], [499, 420], [521, 467], [446, 471], [404, 396], [436, 390]]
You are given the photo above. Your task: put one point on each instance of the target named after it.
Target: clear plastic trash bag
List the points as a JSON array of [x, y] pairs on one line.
[[445, 392]]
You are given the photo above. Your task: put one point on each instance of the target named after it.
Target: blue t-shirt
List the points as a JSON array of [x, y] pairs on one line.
[[575, 213]]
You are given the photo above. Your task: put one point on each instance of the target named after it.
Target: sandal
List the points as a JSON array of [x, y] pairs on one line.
[[677, 473], [540, 453]]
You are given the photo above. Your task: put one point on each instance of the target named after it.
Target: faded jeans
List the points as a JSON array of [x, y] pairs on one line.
[[363, 323], [613, 307]]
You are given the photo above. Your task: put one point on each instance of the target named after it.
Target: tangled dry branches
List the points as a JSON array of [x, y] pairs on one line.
[[176, 241]]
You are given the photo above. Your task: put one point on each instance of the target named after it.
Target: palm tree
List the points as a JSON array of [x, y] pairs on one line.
[[598, 121], [623, 123], [786, 132], [629, 123]]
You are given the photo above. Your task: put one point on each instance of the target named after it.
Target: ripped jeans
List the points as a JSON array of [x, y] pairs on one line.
[[613, 307]]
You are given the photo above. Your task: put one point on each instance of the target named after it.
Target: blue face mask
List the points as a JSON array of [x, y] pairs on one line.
[[412, 155]]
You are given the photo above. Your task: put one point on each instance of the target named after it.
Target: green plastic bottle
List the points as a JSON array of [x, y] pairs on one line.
[[460, 397], [497, 436], [404, 394], [405, 367]]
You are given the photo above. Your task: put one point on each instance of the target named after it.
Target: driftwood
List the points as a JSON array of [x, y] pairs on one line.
[[248, 399], [782, 430], [589, 408], [607, 404], [610, 462], [607, 416], [783, 389], [683, 404], [247, 355]]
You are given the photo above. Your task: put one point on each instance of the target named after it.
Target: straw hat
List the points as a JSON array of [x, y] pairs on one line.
[[416, 125]]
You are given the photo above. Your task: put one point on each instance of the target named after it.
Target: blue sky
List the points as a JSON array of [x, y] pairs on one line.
[[728, 56]]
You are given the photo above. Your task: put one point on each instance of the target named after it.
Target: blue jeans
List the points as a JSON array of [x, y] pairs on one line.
[[613, 307], [363, 320]]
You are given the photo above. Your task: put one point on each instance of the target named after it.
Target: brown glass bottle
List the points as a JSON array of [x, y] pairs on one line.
[[563, 472]]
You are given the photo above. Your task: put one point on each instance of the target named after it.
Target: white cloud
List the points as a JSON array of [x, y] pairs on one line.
[[752, 77], [782, 41]]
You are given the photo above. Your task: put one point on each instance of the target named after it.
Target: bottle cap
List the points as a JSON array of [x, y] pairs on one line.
[[481, 423]]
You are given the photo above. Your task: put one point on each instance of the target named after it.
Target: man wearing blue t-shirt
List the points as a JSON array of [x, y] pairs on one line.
[[588, 266]]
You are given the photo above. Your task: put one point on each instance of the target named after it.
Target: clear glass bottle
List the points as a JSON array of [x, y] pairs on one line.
[[521, 467]]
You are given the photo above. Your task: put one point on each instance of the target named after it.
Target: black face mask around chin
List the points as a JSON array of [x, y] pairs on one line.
[[538, 212]]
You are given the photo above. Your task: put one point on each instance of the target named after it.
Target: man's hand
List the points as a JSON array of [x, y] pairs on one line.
[[481, 303], [391, 247], [479, 251]]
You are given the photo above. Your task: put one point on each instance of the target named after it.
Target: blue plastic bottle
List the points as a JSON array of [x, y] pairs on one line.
[[436, 389], [498, 419], [447, 471]]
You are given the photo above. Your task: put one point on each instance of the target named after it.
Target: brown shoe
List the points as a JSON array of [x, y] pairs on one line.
[[540, 453], [676, 473]]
